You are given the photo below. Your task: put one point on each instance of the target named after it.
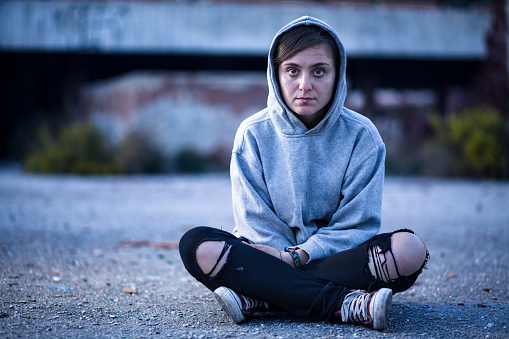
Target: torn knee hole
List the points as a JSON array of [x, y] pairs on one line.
[[410, 253], [211, 256], [221, 261]]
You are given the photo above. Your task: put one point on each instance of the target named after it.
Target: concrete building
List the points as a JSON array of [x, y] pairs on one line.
[[51, 52], [239, 28]]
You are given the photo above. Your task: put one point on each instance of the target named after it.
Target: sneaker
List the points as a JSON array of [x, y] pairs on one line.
[[237, 306], [368, 309]]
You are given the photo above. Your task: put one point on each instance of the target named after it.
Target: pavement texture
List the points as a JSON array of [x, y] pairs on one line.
[[97, 257]]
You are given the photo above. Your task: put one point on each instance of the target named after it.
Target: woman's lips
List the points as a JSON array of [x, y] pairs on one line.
[[304, 100]]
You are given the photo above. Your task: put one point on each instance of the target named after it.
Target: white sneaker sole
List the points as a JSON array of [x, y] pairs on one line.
[[230, 303], [382, 302]]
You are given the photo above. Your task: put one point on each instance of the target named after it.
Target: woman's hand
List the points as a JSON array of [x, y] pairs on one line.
[[285, 256]]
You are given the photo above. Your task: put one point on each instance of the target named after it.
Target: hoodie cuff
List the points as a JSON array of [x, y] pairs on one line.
[[314, 251]]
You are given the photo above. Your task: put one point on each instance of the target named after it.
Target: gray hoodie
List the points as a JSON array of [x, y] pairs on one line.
[[319, 189]]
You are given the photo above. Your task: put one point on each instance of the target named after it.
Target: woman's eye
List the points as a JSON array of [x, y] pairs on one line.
[[319, 72], [292, 71]]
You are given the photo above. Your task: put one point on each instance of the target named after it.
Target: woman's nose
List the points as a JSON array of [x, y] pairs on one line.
[[305, 83]]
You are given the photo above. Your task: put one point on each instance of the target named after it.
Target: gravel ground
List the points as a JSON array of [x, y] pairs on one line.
[[96, 257]]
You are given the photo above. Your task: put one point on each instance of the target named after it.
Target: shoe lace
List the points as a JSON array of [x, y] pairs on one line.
[[356, 308], [253, 304]]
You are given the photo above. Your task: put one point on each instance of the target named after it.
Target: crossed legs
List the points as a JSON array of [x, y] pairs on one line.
[[406, 256], [217, 258]]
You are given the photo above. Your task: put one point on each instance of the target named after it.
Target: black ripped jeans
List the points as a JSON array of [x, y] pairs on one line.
[[317, 289]]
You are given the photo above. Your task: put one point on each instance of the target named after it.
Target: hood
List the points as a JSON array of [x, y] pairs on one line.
[[284, 119]]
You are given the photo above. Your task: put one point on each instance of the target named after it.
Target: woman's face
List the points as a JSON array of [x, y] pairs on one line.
[[307, 83]]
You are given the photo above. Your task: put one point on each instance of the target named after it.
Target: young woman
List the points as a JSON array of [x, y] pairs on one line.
[[307, 179]]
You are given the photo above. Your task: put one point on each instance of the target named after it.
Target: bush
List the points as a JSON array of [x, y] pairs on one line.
[[471, 143], [78, 149]]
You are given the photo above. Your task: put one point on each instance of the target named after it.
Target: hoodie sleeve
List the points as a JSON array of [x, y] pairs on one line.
[[254, 215], [358, 217], [253, 210]]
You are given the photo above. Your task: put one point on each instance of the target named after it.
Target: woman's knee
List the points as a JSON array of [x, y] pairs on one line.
[[205, 247], [190, 242], [211, 256], [402, 255], [409, 253]]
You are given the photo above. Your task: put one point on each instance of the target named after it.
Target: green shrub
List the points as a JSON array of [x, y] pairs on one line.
[[471, 143], [78, 149]]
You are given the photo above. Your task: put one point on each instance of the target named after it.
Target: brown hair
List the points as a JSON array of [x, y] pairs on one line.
[[300, 38]]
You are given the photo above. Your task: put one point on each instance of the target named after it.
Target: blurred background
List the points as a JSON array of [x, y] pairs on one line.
[[160, 86]]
